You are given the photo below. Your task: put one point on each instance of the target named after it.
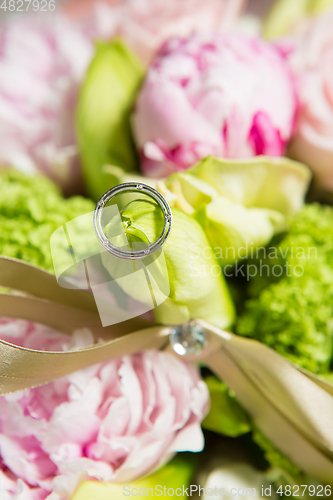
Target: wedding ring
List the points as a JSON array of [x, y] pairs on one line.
[[130, 187]]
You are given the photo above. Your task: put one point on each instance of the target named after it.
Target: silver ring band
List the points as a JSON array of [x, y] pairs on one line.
[[132, 187]]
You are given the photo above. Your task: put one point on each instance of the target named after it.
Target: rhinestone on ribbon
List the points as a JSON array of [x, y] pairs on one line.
[[188, 338]]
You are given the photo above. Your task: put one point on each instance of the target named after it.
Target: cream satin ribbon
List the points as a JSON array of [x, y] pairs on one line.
[[293, 408]]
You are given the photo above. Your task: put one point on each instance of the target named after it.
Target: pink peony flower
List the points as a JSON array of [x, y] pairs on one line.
[[113, 421], [225, 95], [146, 24], [42, 62], [312, 63]]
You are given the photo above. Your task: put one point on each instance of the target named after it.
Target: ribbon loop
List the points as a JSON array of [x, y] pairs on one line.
[[292, 407]]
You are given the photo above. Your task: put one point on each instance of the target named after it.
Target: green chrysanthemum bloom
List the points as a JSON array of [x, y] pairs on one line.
[[31, 209], [293, 314]]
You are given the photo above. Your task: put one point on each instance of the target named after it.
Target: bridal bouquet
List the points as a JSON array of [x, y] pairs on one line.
[[235, 131]]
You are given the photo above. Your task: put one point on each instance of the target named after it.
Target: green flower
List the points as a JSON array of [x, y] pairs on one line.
[[31, 209], [293, 313], [195, 285], [241, 204]]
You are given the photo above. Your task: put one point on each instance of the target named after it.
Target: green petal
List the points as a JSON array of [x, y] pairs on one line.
[[197, 286], [103, 114], [261, 182], [234, 230], [196, 192]]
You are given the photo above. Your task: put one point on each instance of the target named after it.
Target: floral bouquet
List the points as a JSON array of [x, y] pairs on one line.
[[223, 386]]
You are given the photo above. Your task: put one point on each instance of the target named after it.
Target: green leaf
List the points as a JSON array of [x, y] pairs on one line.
[[103, 114], [286, 14], [226, 416]]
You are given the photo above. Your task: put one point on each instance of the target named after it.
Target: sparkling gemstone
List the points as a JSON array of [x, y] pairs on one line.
[[188, 338]]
